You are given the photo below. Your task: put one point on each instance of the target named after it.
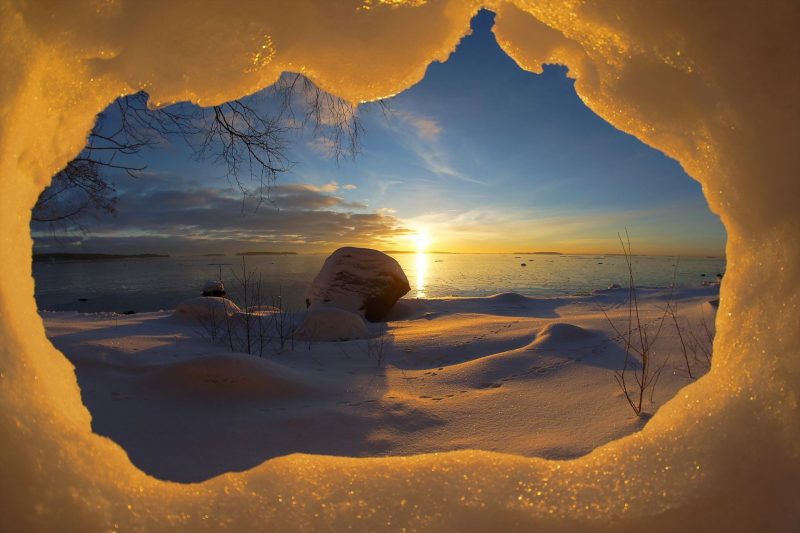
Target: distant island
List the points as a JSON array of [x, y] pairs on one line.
[[213, 255], [266, 253], [538, 253], [59, 257]]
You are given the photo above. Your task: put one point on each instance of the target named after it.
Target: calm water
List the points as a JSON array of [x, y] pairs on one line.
[[161, 283]]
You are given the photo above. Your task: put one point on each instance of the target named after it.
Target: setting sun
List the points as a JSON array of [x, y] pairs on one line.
[[421, 241]]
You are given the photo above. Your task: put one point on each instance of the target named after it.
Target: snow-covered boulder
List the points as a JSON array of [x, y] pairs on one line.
[[204, 308], [359, 280], [326, 323], [213, 288]]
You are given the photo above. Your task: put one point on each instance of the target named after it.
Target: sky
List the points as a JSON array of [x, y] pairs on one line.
[[479, 156]]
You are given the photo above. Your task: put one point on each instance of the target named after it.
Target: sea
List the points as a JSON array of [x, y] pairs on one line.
[[160, 283]]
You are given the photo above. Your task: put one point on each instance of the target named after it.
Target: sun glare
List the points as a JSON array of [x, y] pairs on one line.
[[421, 241]]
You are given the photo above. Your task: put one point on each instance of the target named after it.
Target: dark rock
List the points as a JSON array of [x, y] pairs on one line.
[[359, 280]]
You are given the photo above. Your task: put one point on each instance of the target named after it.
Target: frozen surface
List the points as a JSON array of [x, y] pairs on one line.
[[528, 376], [713, 85]]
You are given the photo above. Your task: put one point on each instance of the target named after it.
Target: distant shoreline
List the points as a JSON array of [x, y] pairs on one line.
[[64, 257], [538, 253], [265, 253]]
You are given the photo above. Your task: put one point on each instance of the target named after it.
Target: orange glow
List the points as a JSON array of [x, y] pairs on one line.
[[421, 241], [421, 268]]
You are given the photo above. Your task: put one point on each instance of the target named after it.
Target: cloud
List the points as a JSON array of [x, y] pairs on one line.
[[202, 218], [323, 145], [349, 187], [420, 135], [427, 128]]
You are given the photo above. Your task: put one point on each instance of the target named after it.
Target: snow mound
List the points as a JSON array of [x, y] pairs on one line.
[[509, 298], [226, 375], [204, 308], [360, 280], [559, 334], [325, 323]]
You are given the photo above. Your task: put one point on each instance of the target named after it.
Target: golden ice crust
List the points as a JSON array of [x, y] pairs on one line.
[[712, 84]]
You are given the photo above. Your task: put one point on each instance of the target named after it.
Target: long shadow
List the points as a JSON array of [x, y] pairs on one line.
[[505, 304], [602, 352], [187, 423], [122, 329], [541, 358]]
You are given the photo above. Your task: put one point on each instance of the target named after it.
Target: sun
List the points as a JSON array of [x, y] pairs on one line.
[[421, 240]]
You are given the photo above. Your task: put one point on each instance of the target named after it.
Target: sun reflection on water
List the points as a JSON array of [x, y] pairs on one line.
[[421, 267]]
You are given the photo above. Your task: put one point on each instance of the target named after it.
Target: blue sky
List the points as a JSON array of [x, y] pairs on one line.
[[478, 156]]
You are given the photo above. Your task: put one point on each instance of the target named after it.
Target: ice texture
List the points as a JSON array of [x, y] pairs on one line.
[[711, 84]]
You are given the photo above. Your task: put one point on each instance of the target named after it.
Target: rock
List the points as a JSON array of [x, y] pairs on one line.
[[214, 288], [614, 286], [360, 280], [522, 264], [205, 308], [326, 323]]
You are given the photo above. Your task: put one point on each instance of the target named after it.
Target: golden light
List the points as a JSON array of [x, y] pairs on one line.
[[733, 134], [421, 265], [421, 241]]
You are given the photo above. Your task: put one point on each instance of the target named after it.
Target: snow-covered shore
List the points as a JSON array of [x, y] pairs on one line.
[[530, 376]]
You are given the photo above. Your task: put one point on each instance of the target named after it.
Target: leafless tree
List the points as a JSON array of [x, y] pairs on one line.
[[78, 189], [285, 322], [376, 346], [249, 136], [639, 338]]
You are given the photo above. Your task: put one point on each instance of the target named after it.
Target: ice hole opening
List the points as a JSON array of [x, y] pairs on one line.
[[413, 375]]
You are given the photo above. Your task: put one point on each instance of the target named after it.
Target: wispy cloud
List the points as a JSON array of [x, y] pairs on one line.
[[421, 136], [427, 128], [331, 186], [323, 145]]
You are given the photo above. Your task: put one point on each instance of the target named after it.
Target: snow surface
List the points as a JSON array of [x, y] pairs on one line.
[[325, 323], [519, 375], [712, 84]]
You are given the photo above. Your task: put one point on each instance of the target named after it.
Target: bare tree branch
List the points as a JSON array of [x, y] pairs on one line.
[[251, 143]]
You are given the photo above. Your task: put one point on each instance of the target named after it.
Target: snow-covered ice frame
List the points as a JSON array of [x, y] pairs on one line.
[[712, 84]]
